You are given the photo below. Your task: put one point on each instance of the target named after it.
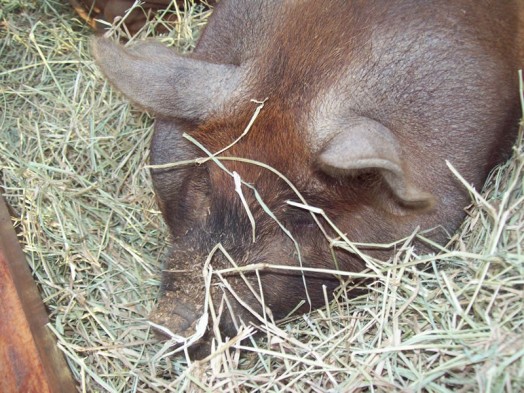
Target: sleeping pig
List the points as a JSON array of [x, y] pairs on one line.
[[358, 104]]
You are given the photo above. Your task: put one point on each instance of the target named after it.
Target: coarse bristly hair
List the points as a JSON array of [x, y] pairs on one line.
[[73, 154]]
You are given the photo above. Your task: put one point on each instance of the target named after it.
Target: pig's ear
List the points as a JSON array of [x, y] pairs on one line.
[[368, 145], [164, 82]]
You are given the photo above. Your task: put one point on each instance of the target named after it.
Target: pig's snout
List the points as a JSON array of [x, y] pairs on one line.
[[176, 314]]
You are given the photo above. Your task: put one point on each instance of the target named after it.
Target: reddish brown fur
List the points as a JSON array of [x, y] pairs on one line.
[[366, 100]]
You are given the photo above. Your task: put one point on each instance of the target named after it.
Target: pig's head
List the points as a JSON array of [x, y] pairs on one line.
[[355, 174], [347, 162]]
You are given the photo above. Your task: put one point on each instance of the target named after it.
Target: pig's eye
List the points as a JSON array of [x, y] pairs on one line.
[[297, 221], [303, 223]]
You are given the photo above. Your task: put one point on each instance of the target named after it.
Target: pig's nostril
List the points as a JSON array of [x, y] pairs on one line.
[[185, 312], [178, 317]]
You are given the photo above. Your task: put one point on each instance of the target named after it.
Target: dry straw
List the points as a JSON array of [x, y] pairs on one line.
[[73, 157]]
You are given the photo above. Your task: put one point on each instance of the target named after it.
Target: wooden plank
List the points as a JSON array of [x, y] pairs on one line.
[[30, 360]]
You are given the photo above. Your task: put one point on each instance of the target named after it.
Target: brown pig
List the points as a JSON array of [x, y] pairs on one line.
[[365, 101]]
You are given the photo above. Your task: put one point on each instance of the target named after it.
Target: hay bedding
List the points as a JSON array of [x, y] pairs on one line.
[[72, 157]]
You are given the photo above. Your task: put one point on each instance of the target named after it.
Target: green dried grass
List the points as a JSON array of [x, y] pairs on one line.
[[72, 159]]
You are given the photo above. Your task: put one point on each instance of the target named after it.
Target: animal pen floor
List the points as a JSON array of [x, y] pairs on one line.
[[72, 158]]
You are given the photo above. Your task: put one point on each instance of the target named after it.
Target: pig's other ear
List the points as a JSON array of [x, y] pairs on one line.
[[368, 145], [164, 82]]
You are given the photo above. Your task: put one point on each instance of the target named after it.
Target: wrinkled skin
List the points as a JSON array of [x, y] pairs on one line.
[[366, 100]]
